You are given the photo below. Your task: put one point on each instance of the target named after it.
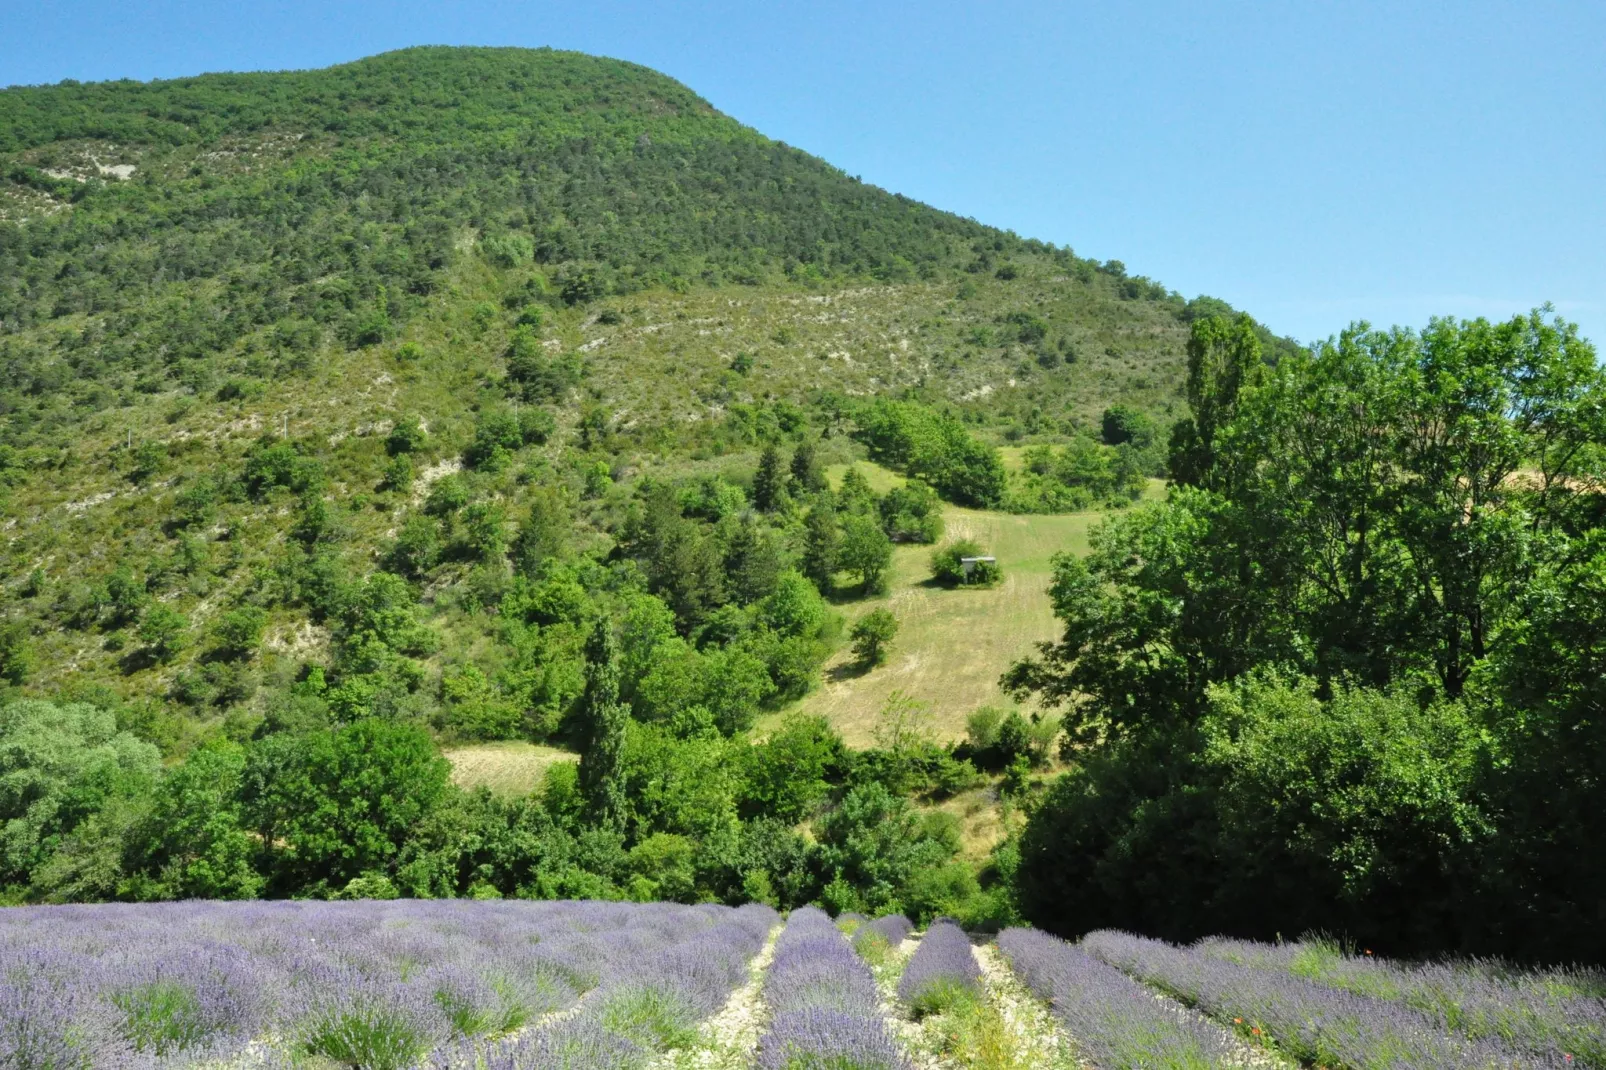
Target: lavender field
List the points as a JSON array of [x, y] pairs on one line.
[[501, 985]]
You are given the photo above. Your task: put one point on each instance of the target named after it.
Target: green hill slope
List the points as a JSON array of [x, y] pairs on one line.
[[191, 270]]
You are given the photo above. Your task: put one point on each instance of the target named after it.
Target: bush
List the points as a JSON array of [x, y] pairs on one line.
[[165, 632], [16, 655], [407, 435], [948, 566], [1122, 423], [911, 513], [872, 634], [238, 633]]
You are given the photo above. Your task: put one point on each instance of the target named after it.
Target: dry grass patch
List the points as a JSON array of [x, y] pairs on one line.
[[508, 767], [952, 645], [983, 823]]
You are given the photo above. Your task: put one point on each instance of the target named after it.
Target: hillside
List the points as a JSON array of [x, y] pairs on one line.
[[187, 267]]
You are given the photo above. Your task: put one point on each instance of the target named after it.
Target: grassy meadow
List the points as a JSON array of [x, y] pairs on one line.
[[509, 767], [952, 645]]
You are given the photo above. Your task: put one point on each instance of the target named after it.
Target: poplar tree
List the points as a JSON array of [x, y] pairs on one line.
[[603, 718]]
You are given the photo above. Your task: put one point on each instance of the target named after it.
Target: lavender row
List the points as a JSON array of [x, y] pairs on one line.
[[1115, 1022], [636, 1013], [375, 984], [825, 1009], [1313, 1022], [1550, 1012], [893, 929], [942, 968]]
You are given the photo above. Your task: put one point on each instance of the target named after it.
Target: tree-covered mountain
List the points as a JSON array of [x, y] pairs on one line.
[[189, 266]]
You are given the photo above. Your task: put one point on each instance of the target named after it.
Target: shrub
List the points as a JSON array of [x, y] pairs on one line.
[[238, 633], [165, 632], [16, 655], [948, 566], [872, 634], [407, 435], [911, 513]]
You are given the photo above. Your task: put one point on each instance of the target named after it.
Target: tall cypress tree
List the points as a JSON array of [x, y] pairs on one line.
[[604, 718]]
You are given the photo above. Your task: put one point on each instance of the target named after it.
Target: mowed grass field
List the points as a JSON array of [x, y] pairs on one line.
[[509, 768], [952, 645]]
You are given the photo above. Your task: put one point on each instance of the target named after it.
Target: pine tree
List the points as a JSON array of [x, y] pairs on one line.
[[769, 482], [820, 544], [806, 471], [603, 719]]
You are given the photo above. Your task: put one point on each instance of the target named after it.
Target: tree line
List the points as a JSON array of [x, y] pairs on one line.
[[1346, 677]]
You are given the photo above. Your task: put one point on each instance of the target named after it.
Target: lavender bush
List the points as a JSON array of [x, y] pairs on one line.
[[885, 932], [1549, 1012], [826, 1010], [1116, 1023], [1314, 1022], [381, 985], [942, 970]]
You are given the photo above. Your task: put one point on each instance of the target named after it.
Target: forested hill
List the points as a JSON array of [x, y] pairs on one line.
[[170, 234], [196, 271]]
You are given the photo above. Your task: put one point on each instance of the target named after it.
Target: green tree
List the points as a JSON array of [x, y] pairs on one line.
[[1377, 514], [603, 718], [752, 562], [769, 482], [331, 806], [1224, 356], [787, 775], [407, 435], [794, 607], [544, 533], [484, 529], [417, 547], [865, 551], [872, 634], [874, 841], [238, 633], [808, 475], [1122, 423], [855, 495], [911, 513], [194, 844], [59, 765], [165, 632], [821, 545]]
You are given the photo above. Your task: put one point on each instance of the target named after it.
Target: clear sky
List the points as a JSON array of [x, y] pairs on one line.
[[1312, 162]]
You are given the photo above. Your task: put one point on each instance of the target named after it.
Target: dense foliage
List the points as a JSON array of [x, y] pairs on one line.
[[1342, 679]]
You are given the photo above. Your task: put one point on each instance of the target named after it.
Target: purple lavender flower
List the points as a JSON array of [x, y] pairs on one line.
[[1311, 1021], [1116, 1023], [942, 969], [827, 1012], [828, 1040], [378, 984], [1552, 1012]]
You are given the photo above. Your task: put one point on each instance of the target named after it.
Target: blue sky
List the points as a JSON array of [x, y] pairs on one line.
[[1311, 162]]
